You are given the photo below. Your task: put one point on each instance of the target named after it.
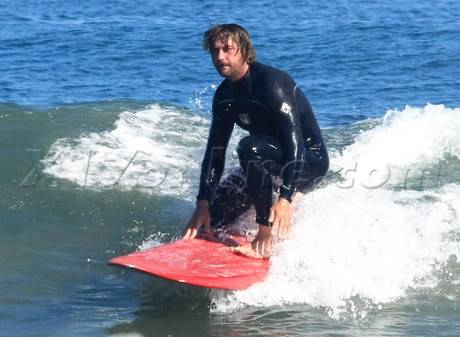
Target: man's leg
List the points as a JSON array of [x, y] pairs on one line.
[[260, 158], [229, 200], [312, 172]]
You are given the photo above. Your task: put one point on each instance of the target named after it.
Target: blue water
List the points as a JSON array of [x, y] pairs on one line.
[[353, 58], [84, 85]]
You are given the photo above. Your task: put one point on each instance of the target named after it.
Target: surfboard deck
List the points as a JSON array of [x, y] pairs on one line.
[[198, 262]]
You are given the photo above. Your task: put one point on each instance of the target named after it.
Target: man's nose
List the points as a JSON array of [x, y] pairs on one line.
[[220, 55]]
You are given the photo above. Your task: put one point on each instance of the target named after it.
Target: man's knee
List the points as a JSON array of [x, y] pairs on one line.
[[307, 182], [258, 148], [247, 148]]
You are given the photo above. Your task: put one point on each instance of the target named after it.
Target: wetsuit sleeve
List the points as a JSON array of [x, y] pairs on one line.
[[283, 102], [214, 158]]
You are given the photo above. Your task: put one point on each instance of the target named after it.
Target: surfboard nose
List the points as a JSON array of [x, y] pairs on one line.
[[197, 262]]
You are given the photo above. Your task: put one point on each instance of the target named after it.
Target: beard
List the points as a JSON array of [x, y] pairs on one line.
[[225, 71]]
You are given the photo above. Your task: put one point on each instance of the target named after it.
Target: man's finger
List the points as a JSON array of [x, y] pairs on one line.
[[193, 233], [186, 234], [287, 227], [208, 232], [272, 215], [207, 225], [282, 229], [275, 227], [286, 230]]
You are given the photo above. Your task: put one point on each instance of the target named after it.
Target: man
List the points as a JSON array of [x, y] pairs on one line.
[[284, 141]]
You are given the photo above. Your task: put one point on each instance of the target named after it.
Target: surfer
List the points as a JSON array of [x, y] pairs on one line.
[[283, 154]]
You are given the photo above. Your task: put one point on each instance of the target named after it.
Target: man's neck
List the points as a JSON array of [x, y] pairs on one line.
[[244, 71]]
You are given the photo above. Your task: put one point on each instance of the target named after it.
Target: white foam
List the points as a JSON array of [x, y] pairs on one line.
[[203, 98], [157, 150], [154, 150], [346, 243], [353, 249], [153, 240], [406, 142]]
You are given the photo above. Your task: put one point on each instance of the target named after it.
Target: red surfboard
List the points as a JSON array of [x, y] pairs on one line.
[[198, 262]]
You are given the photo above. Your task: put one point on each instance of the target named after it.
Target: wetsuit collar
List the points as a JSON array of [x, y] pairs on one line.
[[243, 85]]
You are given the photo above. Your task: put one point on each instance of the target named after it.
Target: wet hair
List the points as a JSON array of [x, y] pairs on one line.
[[222, 32]]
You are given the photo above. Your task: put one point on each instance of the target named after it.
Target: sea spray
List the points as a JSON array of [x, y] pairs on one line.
[[369, 244], [409, 147], [354, 246], [356, 243], [153, 150]]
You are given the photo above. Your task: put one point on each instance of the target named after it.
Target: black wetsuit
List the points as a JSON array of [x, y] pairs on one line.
[[284, 140]]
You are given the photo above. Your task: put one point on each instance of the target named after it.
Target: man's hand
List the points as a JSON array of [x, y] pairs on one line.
[[200, 217], [281, 218]]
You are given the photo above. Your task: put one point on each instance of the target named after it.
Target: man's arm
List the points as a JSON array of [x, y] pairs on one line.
[[213, 163], [211, 171], [287, 117], [283, 105]]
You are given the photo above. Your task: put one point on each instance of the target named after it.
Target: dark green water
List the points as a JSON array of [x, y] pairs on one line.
[[383, 262]]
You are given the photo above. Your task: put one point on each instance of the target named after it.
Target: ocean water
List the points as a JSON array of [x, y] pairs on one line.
[[104, 114]]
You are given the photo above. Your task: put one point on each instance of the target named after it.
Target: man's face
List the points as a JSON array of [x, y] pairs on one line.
[[227, 59]]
